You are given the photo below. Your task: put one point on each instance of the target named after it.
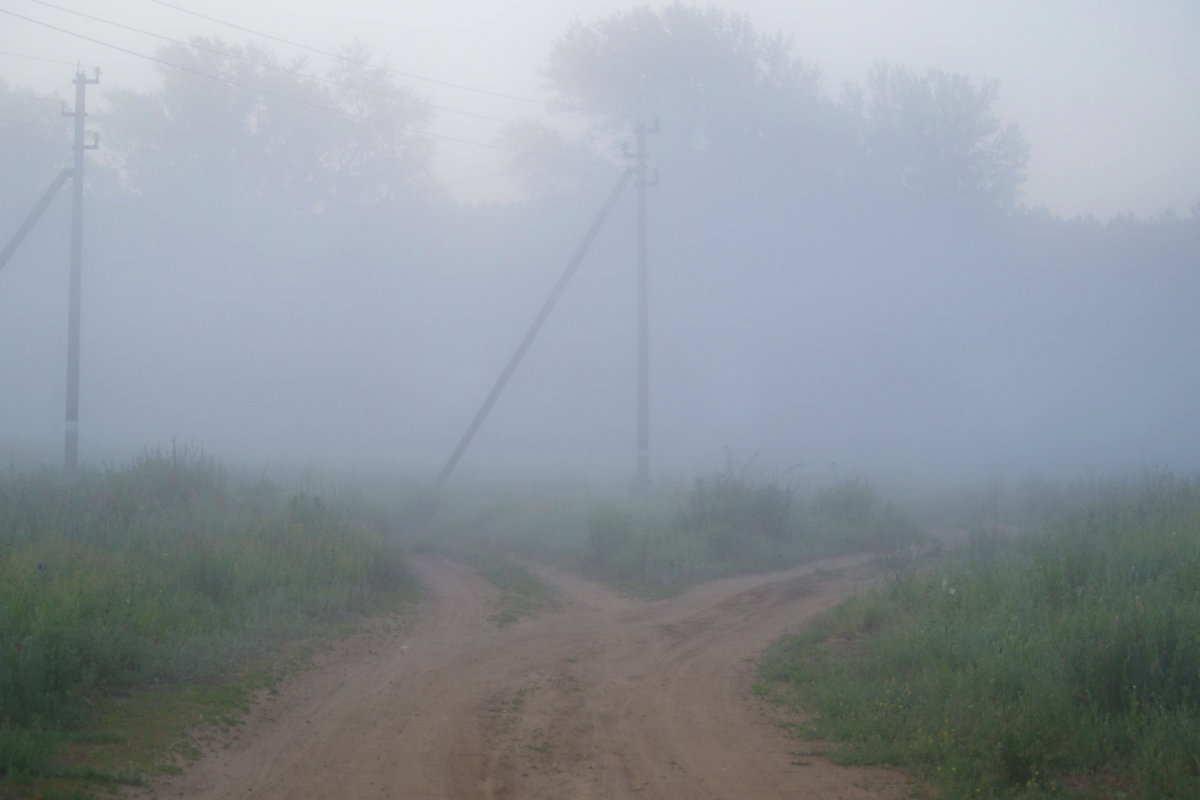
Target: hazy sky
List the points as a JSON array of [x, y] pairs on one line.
[[1105, 91]]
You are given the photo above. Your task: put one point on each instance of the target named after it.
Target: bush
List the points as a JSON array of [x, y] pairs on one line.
[[610, 533], [728, 523], [729, 503], [853, 511]]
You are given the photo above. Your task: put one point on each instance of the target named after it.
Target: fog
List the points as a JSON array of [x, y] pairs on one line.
[[843, 278]]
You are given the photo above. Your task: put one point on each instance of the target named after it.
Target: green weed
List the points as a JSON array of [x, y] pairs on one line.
[[1056, 664], [729, 523], [157, 573], [661, 540]]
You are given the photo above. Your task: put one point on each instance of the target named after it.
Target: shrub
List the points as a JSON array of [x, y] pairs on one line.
[[732, 505], [610, 533]]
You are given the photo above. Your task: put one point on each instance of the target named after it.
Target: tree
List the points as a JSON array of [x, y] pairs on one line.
[[737, 102], [547, 163], [241, 124], [35, 143], [937, 136], [718, 87]]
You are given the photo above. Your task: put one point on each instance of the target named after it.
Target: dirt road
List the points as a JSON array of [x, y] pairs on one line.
[[605, 698]]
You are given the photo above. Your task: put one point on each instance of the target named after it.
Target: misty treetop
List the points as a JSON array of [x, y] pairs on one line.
[[938, 137], [31, 153], [731, 99], [835, 276], [348, 137], [706, 71]]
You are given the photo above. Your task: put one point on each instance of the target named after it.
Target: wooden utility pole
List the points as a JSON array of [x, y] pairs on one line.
[[71, 454], [640, 157]]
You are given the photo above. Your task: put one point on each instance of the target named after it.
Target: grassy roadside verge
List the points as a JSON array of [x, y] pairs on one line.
[[161, 589], [671, 537], [1062, 664], [729, 523]]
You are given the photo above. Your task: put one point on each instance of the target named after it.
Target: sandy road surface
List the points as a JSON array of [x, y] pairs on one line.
[[605, 698]]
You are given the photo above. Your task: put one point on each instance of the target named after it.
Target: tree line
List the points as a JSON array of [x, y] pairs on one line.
[[813, 252]]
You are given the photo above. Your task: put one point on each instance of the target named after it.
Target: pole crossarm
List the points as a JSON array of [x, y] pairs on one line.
[[35, 214], [532, 333]]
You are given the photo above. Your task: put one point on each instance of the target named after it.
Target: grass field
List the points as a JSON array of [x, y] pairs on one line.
[[163, 572], [726, 524], [671, 536], [1064, 663]]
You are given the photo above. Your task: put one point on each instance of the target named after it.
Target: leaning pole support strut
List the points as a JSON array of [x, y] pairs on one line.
[[34, 215], [532, 333]]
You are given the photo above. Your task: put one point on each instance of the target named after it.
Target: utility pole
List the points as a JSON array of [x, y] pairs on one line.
[[71, 454], [641, 480]]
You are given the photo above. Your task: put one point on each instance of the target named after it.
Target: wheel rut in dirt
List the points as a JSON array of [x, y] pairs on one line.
[[606, 698]]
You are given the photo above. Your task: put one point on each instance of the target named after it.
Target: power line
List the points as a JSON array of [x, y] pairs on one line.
[[248, 87], [41, 58], [280, 68], [340, 57]]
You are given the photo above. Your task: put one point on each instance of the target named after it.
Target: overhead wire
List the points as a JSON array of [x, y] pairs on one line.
[[248, 87], [341, 57], [42, 58], [280, 68], [414, 76]]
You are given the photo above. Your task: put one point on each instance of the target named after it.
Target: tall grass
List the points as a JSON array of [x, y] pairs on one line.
[[1057, 664], [670, 536], [158, 571], [729, 523]]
